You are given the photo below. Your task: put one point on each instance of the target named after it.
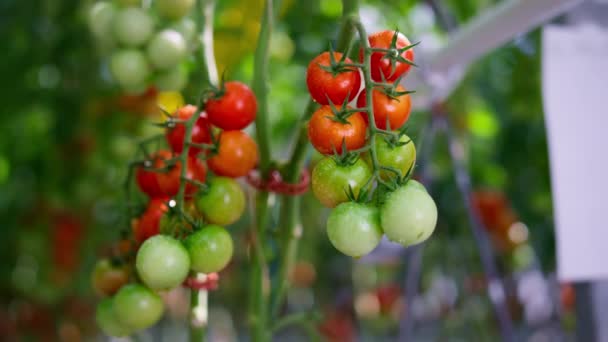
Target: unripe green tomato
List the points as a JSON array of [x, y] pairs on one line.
[[401, 157], [210, 249], [137, 307], [354, 228], [162, 262], [223, 202], [330, 181], [408, 215], [174, 9], [174, 79], [130, 68], [166, 49], [187, 27], [101, 16], [107, 320], [133, 26], [416, 184]]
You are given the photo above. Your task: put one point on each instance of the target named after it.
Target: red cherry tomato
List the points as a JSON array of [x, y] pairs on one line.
[[146, 180], [325, 134], [67, 234], [387, 297], [201, 131], [236, 156], [149, 222], [382, 66], [235, 110], [394, 110], [338, 326], [169, 181], [323, 84]]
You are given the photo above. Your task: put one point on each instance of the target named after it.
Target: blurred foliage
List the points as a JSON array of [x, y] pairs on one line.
[[67, 135]]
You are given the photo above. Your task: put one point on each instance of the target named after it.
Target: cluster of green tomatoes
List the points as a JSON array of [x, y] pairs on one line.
[[365, 174], [146, 46]]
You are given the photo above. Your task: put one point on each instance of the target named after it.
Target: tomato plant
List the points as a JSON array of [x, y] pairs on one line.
[[237, 154], [328, 132], [390, 107], [399, 155], [162, 262], [169, 181], [387, 68], [137, 307], [354, 228], [223, 202], [331, 180], [201, 131], [234, 109], [210, 249], [336, 84]]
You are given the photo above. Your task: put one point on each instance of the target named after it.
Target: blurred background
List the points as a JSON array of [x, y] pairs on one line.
[[67, 133]]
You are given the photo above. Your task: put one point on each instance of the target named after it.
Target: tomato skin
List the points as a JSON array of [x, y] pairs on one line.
[[396, 111], [201, 131], [401, 157], [325, 134], [322, 84], [223, 203], [235, 110], [236, 156], [133, 26], [108, 322], [169, 181], [382, 66], [409, 215], [210, 249], [149, 222], [147, 181], [162, 262], [130, 68], [330, 181], [107, 278], [166, 49], [354, 228], [137, 307]]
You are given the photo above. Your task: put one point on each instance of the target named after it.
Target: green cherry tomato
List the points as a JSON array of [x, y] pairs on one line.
[[129, 68], [187, 27], [401, 157], [354, 228], [162, 262], [330, 181], [174, 9], [408, 215], [101, 15], [133, 26], [223, 202], [166, 49], [107, 320], [174, 79], [137, 307], [416, 184], [210, 249]]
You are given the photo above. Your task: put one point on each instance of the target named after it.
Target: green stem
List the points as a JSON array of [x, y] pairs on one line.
[[198, 325], [258, 303], [290, 205]]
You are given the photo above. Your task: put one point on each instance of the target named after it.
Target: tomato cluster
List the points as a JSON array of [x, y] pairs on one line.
[[147, 46], [173, 242], [400, 208]]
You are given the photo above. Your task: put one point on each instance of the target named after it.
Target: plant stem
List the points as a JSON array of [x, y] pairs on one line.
[[258, 305], [290, 205]]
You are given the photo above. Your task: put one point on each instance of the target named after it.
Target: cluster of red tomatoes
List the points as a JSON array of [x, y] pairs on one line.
[[147, 45], [170, 247], [405, 213]]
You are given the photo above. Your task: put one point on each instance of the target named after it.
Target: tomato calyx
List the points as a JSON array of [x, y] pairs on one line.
[[337, 67], [341, 114], [347, 158], [394, 53], [393, 140]]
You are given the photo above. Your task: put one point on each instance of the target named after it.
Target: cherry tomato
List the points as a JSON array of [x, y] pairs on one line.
[[166, 49], [323, 84], [210, 249], [236, 156], [174, 9], [223, 202], [133, 26], [354, 228], [394, 110], [137, 307], [201, 131], [408, 215], [235, 110], [67, 235], [382, 66], [149, 223], [169, 181], [173, 79], [338, 327], [147, 181], [325, 134], [401, 157], [107, 320], [387, 297], [107, 278], [100, 18], [130, 68], [330, 181], [162, 262]]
